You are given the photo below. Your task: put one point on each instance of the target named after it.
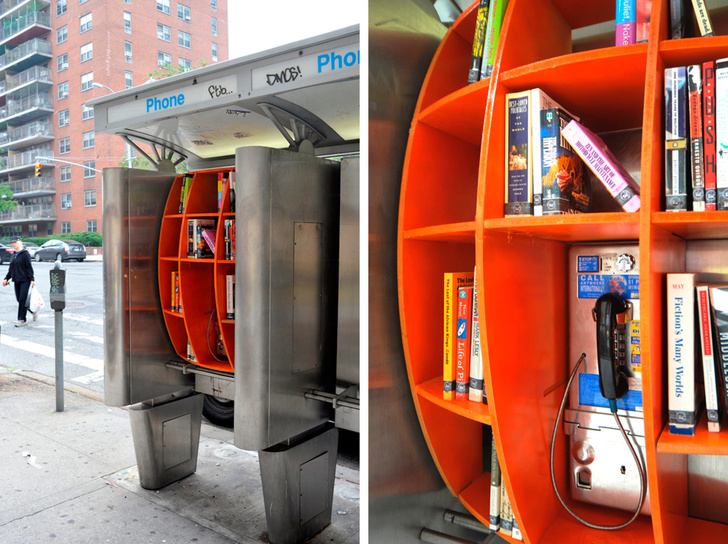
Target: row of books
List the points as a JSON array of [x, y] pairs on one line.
[[688, 21], [697, 335], [488, 24], [201, 238], [696, 129], [176, 301], [550, 156], [501, 517], [229, 238], [632, 18], [224, 179], [462, 362]]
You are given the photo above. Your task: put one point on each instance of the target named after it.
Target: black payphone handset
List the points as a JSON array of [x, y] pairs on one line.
[[610, 312], [611, 347]]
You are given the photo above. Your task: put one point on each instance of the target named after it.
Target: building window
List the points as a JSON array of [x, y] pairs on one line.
[[64, 146], [65, 173], [64, 117], [89, 198], [62, 61], [127, 51], [214, 26], [88, 139], [183, 12], [127, 22], [66, 201], [127, 2], [184, 39], [89, 169], [61, 7], [128, 79], [63, 90], [86, 22], [65, 228], [213, 5], [62, 34], [91, 226], [87, 112], [163, 6], [185, 64], [164, 59], [82, 1], [87, 52], [214, 52], [164, 32], [87, 81]]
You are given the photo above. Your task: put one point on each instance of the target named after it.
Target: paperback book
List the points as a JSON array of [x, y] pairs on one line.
[[710, 377], [709, 135], [230, 296], [626, 21], [676, 139], [519, 189], [476, 387], [719, 305], [695, 91], [721, 135], [476, 58], [452, 282], [463, 341]]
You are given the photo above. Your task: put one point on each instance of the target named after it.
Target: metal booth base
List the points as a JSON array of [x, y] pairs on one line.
[[166, 439], [298, 485]]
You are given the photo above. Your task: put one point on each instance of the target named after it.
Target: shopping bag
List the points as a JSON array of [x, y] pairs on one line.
[[35, 300]]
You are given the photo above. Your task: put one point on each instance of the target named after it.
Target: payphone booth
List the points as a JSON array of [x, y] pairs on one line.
[[238, 280]]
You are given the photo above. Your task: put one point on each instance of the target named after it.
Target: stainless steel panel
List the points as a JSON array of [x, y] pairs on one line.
[[136, 343], [176, 441], [308, 265], [277, 190], [313, 486]]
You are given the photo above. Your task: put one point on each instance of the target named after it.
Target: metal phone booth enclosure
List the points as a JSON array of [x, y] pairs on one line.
[[288, 352]]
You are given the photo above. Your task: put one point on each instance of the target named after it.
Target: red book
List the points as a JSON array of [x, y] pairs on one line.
[[462, 344], [709, 134]]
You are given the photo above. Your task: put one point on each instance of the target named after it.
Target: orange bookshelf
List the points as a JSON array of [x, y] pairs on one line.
[[451, 218]]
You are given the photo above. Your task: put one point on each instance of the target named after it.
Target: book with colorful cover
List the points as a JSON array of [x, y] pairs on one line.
[[676, 139], [721, 132], [626, 20], [605, 166], [702, 16], [231, 188], [463, 341], [564, 179], [476, 387], [185, 193], [719, 308], [209, 236], [519, 187], [709, 135], [644, 8], [452, 282], [496, 13], [200, 247], [496, 484], [707, 352], [695, 101], [476, 58]]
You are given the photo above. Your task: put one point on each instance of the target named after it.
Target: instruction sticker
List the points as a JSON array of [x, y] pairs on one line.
[[595, 285], [590, 395]]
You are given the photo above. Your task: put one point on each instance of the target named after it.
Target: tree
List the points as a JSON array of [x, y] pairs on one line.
[[6, 199]]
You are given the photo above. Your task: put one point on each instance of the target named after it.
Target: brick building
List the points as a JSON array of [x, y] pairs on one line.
[[57, 55]]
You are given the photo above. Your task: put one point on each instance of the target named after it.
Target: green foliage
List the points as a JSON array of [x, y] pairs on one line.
[[9, 204], [88, 239], [143, 164], [167, 70]]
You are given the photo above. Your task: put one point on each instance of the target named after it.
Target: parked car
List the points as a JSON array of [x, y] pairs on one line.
[[31, 247], [67, 250], [6, 253]]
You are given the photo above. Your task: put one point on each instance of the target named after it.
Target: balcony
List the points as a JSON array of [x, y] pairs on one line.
[[26, 55], [34, 133], [29, 213], [32, 187], [34, 74], [26, 108], [8, 6], [21, 27], [14, 162]]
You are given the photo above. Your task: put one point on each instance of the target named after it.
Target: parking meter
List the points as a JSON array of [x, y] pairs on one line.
[[58, 287]]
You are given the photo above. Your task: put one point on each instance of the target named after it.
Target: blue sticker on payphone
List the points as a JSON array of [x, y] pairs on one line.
[[595, 285]]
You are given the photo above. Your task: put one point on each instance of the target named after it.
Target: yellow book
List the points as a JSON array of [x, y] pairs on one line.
[[453, 280]]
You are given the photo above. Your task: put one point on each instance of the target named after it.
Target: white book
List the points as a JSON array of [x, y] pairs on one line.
[[230, 296], [476, 389], [705, 328], [721, 132]]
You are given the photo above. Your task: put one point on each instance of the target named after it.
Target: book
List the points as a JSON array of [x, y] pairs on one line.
[[719, 307], [519, 187], [221, 179], [230, 296], [644, 8], [175, 301], [695, 91], [564, 179], [496, 13], [494, 521], [709, 135], [476, 58], [678, 19], [605, 166], [710, 379], [676, 139], [231, 185], [516, 534], [229, 238], [185, 193], [190, 353], [476, 386], [181, 208], [463, 341], [197, 245], [705, 26], [452, 281], [506, 513], [682, 400], [721, 133], [209, 236], [626, 21]]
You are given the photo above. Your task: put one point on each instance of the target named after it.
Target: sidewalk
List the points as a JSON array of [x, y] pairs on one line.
[[71, 477]]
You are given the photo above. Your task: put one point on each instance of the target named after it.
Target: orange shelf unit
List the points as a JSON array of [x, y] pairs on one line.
[[451, 219], [202, 321]]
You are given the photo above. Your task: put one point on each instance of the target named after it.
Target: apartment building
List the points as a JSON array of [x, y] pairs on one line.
[[55, 57]]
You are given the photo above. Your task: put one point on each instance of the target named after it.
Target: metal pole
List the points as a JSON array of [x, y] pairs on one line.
[[59, 360], [434, 537]]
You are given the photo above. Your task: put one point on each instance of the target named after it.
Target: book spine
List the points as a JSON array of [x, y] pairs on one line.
[[173, 294], [462, 359], [604, 165], [721, 136], [626, 19], [519, 188], [190, 354], [703, 17], [476, 59], [643, 20], [190, 238], [476, 387], [680, 353], [719, 307], [452, 282], [676, 195], [220, 184], [709, 135], [694, 74], [494, 520], [181, 208], [230, 296], [677, 20], [187, 185], [506, 513], [705, 327], [492, 36], [231, 185]]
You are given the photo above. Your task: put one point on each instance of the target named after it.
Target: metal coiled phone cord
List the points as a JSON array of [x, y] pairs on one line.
[[643, 482]]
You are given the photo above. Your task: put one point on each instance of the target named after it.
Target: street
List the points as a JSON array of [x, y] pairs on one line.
[[33, 347]]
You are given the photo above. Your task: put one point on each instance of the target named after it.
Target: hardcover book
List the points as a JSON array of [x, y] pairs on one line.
[[719, 306], [721, 136], [605, 166], [710, 378], [694, 73], [463, 341], [519, 188], [626, 20], [676, 139], [564, 178], [452, 282], [476, 58], [709, 135]]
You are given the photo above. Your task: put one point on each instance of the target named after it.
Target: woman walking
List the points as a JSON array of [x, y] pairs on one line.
[[21, 272]]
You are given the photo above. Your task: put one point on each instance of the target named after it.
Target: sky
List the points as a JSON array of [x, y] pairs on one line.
[[259, 25]]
